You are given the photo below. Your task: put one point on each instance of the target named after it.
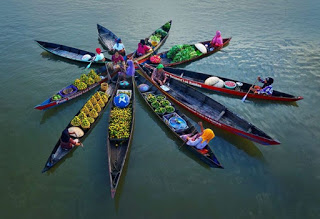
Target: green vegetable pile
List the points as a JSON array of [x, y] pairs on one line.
[[165, 103], [155, 104], [169, 109], [160, 110], [166, 27], [161, 97], [161, 32], [151, 98], [180, 53]]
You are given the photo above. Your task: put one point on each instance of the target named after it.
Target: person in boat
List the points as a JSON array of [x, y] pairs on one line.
[[118, 62], [217, 41], [119, 47], [142, 48], [99, 56], [266, 89], [66, 142], [199, 140], [158, 75]]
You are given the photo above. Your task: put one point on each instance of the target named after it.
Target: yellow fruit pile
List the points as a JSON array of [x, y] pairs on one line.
[[120, 122], [90, 110], [87, 80]]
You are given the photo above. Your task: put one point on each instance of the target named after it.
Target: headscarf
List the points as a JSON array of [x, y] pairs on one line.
[[98, 50], [269, 82], [207, 135], [160, 66], [118, 41], [217, 39], [130, 69], [65, 136]]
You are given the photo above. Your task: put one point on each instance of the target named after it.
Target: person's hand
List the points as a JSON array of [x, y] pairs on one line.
[[200, 123], [259, 78]]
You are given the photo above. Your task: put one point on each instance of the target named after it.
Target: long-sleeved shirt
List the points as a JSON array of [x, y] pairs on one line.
[[266, 90], [197, 143]]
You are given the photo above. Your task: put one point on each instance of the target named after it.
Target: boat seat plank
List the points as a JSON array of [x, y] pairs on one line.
[[220, 115]]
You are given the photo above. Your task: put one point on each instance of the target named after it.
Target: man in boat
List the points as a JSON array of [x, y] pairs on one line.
[[217, 41], [200, 140], [142, 48], [99, 57], [119, 47], [158, 75], [266, 89]]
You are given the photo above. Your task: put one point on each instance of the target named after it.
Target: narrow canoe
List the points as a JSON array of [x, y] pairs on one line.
[[207, 156], [58, 153], [68, 52], [106, 37], [118, 147], [168, 62], [197, 79], [210, 110], [154, 49], [50, 102]]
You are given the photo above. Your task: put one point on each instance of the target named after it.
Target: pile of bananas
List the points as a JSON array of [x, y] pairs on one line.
[[85, 123], [120, 122], [76, 121], [87, 80]]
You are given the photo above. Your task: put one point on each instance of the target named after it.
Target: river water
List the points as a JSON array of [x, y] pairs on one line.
[[278, 38]]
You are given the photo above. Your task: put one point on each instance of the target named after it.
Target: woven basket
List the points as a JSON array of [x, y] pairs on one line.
[[104, 86]]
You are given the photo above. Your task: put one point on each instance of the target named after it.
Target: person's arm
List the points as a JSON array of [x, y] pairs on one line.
[[201, 126], [74, 142], [194, 142], [259, 79]]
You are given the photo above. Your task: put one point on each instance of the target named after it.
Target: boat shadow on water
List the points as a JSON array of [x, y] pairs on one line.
[[170, 135], [48, 113], [241, 143]]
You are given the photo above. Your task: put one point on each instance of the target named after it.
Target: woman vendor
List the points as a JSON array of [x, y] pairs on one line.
[[158, 75], [199, 140]]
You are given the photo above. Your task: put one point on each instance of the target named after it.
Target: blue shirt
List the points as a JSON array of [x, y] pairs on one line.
[[99, 57], [118, 46]]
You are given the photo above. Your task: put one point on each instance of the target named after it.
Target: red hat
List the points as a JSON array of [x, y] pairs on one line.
[[98, 50]]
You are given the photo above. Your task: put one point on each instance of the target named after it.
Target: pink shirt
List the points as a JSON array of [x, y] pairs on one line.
[[142, 49], [116, 60]]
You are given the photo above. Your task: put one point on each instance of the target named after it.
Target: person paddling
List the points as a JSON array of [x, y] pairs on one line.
[[266, 88]]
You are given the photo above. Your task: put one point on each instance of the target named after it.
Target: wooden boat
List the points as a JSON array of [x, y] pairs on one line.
[[154, 49], [106, 37], [210, 110], [118, 146], [197, 79], [50, 102], [207, 156], [68, 52], [58, 153], [168, 62]]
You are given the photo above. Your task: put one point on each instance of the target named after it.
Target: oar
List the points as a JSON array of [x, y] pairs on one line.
[[187, 139], [88, 66], [245, 96]]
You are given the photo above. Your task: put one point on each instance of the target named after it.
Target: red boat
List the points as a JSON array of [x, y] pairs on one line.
[[209, 110], [197, 79], [168, 62]]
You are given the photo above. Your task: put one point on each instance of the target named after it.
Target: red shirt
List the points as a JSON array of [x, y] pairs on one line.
[[116, 60]]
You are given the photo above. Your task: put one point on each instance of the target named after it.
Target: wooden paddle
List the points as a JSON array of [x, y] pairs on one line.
[[88, 66], [245, 96]]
